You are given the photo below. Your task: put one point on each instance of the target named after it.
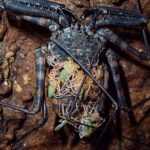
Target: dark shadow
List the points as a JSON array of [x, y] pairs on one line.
[[118, 2]]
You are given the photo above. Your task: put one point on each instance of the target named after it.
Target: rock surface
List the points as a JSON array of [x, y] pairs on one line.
[[17, 86]]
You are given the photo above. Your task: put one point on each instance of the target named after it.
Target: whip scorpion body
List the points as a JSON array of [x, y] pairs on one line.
[[80, 60]]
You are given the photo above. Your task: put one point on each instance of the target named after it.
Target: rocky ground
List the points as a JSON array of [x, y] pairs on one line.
[[17, 85]]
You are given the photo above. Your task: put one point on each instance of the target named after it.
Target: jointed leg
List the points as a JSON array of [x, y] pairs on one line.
[[40, 76], [112, 60], [114, 69], [136, 55], [101, 105], [35, 127]]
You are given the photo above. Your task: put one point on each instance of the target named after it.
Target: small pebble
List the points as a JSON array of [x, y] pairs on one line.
[[6, 73], [4, 65], [22, 55], [17, 87], [14, 47], [9, 54], [26, 78], [11, 60]]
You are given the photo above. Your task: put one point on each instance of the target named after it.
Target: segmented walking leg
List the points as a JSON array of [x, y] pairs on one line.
[[112, 60], [40, 76], [114, 68], [102, 101], [111, 57], [136, 55], [35, 127]]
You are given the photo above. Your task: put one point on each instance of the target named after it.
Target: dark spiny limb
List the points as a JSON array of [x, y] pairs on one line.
[[141, 57], [137, 141], [64, 49], [50, 7], [40, 76], [141, 102], [112, 60], [54, 11], [61, 20], [45, 5], [101, 105], [114, 16], [111, 21], [35, 127], [106, 16], [114, 12], [99, 51]]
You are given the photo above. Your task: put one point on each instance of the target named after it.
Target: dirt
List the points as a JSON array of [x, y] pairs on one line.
[[19, 39]]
